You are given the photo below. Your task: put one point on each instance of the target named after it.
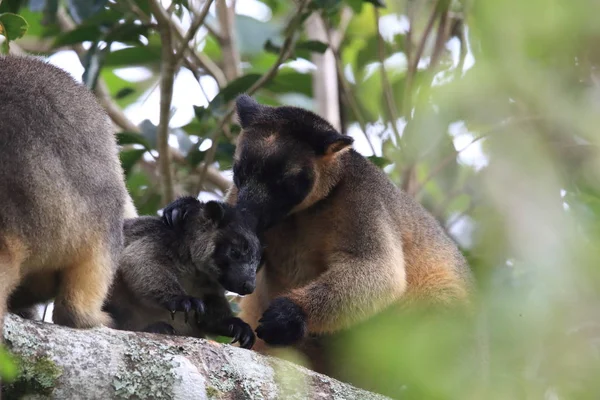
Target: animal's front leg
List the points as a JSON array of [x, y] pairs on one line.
[[349, 292]]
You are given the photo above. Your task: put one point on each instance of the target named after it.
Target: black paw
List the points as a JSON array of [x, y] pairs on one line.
[[185, 304], [240, 332], [282, 324], [174, 213], [160, 327]]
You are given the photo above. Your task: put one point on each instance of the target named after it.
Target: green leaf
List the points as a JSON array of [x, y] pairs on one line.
[[124, 138], [38, 27], [144, 5], [327, 5], [356, 5], [11, 6], [107, 17], [200, 112], [376, 3], [183, 139], [127, 33], [150, 132], [224, 155], [133, 56], [129, 158], [8, 367], [81, 10], [143, 190], [195, 156], [251, 34], [271, 47], [289, 80], [231, 91], [369, 51], [312, 45], [83, 33], [12, 26], [212, 48], [381, 162], [124, 92]]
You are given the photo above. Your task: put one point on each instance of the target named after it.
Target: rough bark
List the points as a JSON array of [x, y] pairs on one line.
[[102, 363]]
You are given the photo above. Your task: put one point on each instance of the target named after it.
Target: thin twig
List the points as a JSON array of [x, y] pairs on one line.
[[200, 61], [196, 24], [385, 83], [414, 62], [409, 183], [229, 50], [441, 38], [286, 50], [198, 77], [352, 101], [167, 77], [213, 31], [338, 34], [463, 51]]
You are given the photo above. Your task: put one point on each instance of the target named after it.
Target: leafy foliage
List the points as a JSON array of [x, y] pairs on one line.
[[12, 26], [8, 369]]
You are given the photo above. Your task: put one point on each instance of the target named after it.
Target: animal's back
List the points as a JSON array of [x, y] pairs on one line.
[[435, 267], [59, 170], [62, 190]]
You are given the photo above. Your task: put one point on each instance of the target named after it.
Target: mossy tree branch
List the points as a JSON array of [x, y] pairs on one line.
[[62, 363]]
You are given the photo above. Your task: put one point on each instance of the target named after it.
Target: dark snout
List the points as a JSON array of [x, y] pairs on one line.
[[247, 287], [240, 284]]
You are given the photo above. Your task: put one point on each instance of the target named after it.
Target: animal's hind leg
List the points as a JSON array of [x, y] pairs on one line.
[[36, 288], [83, 288], [12, 254]]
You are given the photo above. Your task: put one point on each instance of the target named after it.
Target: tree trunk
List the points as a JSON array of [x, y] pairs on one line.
[[62, 363], [325, 81]]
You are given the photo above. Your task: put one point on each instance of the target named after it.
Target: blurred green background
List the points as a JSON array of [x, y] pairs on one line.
[[487, 112]]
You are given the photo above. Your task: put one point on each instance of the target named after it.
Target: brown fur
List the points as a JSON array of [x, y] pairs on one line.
[[62, 193], [354, 246]]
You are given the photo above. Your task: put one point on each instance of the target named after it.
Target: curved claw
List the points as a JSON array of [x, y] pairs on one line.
[[248, 340], [198, 307], [186, 306], [171, 216], [236, 332]]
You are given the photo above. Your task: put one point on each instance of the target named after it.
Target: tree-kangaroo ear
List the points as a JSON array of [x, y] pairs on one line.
[[247, 110], [336, 142], [214, 211], [175, 212]]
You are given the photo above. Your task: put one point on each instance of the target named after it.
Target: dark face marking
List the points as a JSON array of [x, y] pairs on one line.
[[237, 255], [234, 248], [270, 187], [274, 170]]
